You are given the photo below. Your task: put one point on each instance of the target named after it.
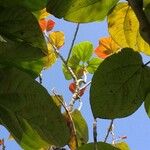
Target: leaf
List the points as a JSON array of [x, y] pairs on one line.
[[24, 45], [83, 51], [80, 57], [27, 107], [93, 65], [51, 57], [116, 90], [100, 146], [122, 146], [106, 47], [33, 5], [46, 25], [50, 25], [147, 104], [57, 38], [81, 129], [124, 28], [76, 11], [42, 14], [146, 2]]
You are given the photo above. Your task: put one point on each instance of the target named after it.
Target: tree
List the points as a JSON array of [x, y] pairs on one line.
[[120, 82]]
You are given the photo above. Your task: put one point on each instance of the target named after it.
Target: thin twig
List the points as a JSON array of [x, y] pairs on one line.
[[109, 130], [73, 41], [62, 58], [95, 134], [70, 118], [86, 85], [3, 144], [146, 63]]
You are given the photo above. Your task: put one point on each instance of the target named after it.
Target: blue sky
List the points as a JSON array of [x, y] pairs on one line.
[[135, 127]]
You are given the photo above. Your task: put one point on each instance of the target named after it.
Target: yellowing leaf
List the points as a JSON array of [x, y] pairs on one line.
[[124, 29], [57, 38], [10, 137], [43, 14], [51, 57], [122, 146], [106, 47]]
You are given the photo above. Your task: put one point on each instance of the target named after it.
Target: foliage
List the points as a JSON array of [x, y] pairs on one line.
[[120, 82]]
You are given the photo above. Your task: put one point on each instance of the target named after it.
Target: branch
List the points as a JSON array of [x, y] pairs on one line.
[[73, 41], [146, 63], [62, 58], [95, 134], [70, 118], [143, 21], [109, 130]]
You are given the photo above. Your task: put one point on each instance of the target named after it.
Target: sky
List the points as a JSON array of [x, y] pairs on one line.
[[136, 127]]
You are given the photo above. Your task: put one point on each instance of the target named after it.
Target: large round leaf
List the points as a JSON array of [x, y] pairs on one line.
[[116, 90], [22, 43], [22, 100], [33, 5], [124, 28], [100, 146], [80, 10]]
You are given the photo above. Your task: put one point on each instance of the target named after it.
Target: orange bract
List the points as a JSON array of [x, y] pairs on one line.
[[106, 47]]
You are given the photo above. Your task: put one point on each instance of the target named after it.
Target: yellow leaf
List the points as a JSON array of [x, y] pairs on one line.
[[10, 137], [51, 57], [106, 47], [124, 28], [57, 38], [43, 14], [122, 146]]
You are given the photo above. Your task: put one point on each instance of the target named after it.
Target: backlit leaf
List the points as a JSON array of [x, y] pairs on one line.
[[33, 5], [81, 128], [122, 146], [106, 47], [93, 65], [28, 111], [83, 51], [100, 146], [124, 29], [57, 38], [117, 89], [24, 45], [80, 10], [51, 57]]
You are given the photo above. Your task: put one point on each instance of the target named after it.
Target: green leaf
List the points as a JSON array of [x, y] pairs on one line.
[[147, 104], [23, 44], [122, 146], [116, 90], [83, 51], [123, 26], [146, 2], [26, 104], [33, 5], [93, 64], [100, 146], [81, 127], [80, 11], [81, 54]]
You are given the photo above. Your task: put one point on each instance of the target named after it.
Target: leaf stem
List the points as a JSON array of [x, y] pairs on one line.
[[109, 130], [73, 41]]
